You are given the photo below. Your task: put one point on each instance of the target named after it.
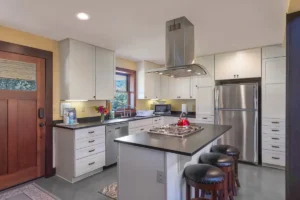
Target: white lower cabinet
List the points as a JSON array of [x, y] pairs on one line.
[[205, 119], [79, 153], [144, 125], [273, 142]]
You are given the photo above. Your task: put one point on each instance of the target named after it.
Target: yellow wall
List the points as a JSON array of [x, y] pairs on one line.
[[294, 6], [175, 104], [124, 63]]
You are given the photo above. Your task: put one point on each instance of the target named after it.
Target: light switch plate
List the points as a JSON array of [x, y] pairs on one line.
[[160, 177], [63, 106]]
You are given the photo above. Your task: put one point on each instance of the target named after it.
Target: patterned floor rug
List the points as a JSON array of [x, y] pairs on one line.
[[29, 191], [111, 191]]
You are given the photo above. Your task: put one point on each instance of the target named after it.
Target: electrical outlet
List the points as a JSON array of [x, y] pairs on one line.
[[160, 177]]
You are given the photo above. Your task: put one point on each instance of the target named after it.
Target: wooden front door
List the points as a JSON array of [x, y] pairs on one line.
[[22, 130]]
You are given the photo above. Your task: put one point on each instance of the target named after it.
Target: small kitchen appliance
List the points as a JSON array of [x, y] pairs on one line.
[[162, 108], [183, 121]]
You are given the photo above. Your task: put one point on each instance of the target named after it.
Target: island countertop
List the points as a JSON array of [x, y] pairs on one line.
[[188, 145]]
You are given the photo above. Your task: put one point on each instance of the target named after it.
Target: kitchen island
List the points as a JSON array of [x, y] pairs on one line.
[[151, 166]]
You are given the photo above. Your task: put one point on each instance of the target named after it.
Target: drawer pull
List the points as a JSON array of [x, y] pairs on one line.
[[204, 118], [276, 147], [117, 128], [91, 150], [91, 132], [273, 138], [91, 141], [275, 130], [275, 122], [142, 129], [275, 158], [91, 163]]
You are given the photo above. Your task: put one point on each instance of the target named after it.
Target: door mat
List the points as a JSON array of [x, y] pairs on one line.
[[29, 191], [110, 191]]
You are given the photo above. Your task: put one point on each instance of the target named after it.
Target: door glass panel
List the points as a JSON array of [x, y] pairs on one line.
[[16, 75]]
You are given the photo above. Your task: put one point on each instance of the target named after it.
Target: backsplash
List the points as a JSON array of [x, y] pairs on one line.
[[175, 104], [86, 108]]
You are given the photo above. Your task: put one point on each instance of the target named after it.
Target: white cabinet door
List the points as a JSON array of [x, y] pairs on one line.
[[157, 86], [164, 87], [274, 101], [150, 86], [225, 66], [240, 64], [183, 86], [81, 71], [105, 74], [208, 62], [273, 51], [250, 60], [173, 90], [274, 70], [205, 101], [193, 87]]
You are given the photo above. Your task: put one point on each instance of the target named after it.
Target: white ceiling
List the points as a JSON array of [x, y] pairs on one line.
[[135, 29]]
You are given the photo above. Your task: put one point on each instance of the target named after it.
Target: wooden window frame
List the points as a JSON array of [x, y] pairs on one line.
[[131, 86]]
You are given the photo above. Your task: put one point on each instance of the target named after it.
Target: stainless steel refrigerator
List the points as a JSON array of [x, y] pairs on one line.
[[237, 105]]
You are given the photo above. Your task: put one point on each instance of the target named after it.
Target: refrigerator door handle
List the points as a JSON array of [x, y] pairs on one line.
[[255, 97], [217, 94]]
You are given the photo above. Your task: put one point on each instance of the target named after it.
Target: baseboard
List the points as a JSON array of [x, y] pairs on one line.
[[273, 166]]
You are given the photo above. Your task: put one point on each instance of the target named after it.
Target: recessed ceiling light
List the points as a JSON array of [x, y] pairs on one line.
[[83, 16]]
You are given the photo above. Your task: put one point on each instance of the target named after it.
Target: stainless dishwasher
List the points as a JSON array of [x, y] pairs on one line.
[[112, 132]]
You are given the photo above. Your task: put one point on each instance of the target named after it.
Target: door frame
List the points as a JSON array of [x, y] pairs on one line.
[[292, 108], [48, 57]]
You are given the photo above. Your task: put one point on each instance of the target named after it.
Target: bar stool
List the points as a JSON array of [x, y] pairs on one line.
[[225, 163], [204, 177], [234, 153]]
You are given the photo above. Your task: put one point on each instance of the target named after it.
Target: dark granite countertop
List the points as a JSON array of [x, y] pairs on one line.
[[185, 146], [88, 124]]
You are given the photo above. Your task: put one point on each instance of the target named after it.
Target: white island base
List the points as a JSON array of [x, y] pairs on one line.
[[139, 169]]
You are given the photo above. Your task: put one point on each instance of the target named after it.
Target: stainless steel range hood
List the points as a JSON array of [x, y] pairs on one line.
[[180, 49]]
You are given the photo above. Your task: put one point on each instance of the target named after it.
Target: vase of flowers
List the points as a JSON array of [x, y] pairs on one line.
[[103, 111]]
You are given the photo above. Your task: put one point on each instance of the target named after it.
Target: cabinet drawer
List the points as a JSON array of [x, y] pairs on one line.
[[275, 122], [89, 132], [273, 138], [208, 118], [273, 158], [273, 130], [144, 129], [88, 151], [273, 146], [85, 165], [87, 142], [140, 123]]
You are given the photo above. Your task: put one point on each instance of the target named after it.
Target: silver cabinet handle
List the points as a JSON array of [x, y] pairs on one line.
[[142, 129], [91, 150], [204, 118], [91, 163], [234, 76], [275, 138], [91, 132], [276, 147], [275, 130], [117, 128], [275, 122], [275, 158], [237, 75], [91, 141]]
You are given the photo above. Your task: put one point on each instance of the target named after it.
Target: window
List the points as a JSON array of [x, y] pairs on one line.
[[125, 89]]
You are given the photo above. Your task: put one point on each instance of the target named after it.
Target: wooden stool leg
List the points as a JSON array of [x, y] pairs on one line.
[[231, 184], [226, 186], [202, 193], [188, 192], [196, 193], [214, 195]]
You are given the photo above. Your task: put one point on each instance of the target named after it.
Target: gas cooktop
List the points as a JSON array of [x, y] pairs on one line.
[[176, 131]]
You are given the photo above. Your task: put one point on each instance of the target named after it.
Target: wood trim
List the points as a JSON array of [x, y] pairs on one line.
[[48, 57], [292, 106]]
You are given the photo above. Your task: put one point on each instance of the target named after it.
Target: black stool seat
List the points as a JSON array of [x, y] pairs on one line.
[[225, 149], [216, 159], [204, 174]]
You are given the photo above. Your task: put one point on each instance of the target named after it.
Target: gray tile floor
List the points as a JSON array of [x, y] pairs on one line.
[[258, 183]]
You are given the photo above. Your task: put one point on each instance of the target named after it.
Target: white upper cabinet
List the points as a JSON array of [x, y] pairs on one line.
[[179, 88], [274, 70], [237, 65], [87, 72], [194, 87], [105, 74], [148, 84], [273, 51], [77, 70], [205, 101], [208, 62], [164, 87]]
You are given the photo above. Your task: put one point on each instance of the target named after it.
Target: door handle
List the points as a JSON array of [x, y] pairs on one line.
[[41, 124], [41, 113]]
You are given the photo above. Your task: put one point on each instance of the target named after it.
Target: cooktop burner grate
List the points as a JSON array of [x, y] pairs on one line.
[[176, 131]]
